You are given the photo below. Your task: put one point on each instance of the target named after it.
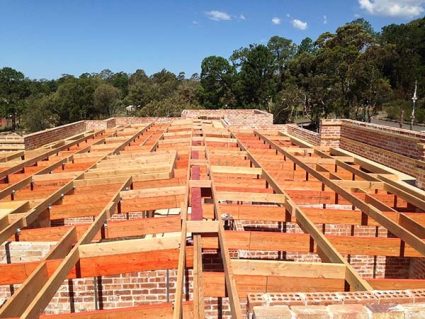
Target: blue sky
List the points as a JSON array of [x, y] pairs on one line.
[[45, 39]]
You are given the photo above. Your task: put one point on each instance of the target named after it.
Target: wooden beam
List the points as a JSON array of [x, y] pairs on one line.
[[149, 311], [410, 238], [228, 272], [288, 269], [329, 251], [129, 246], [15, 305], [198, 281], [45, 294]]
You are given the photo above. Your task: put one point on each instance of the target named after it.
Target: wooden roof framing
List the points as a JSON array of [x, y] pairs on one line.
[[245, 176]]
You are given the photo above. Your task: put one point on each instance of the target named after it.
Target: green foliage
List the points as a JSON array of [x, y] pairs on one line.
[[256, 77], [39, 114], [217, 78], [105, 99]]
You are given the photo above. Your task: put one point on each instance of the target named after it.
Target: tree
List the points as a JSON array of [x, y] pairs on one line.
[[216, 82], [369, 87], [39, 113], [105, 99], [283, 51], [408, 64], [120, 81], [74, 98], [336, 56], [306, 46], [256, 77], [14, 89]]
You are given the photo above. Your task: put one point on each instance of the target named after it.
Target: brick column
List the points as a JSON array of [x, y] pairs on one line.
[[330, 133], [420, 174]]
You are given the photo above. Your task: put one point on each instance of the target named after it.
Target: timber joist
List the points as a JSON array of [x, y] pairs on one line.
[[225, 212]]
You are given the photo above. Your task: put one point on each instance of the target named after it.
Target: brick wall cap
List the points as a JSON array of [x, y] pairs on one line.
[[330, 122]]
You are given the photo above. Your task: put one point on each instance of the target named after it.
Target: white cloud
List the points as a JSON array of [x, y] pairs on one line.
[[216, 15], [195, 22], [325, 20], [298, 24], [242, 17], [393, 8], [276, 20]]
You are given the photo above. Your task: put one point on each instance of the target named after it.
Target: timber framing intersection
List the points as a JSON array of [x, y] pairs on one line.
[[100, 197]]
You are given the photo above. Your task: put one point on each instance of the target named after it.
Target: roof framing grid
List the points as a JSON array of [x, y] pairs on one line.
[[208, 211]]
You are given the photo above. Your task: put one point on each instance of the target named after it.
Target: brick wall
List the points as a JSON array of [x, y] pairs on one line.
[[366, 266], [234, 117], [117, 291], [100, 124], [401, 149], [107, 292], [38, 139], [301, 133], [140, 120], [330, 133]]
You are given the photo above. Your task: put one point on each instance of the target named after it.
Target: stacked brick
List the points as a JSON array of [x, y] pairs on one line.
[[376, 304]]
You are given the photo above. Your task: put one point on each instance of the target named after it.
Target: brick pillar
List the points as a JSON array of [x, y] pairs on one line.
[[420, 174], [330, 133]]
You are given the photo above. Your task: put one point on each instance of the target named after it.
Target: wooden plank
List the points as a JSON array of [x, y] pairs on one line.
[[329, 251], [235, 170], [198, 281], [288, 269], [129, 246], [396, 284], [148, 311], [45, 294], [16, 304], [202, 226], [228, 272], [373, 212], [250, 197]]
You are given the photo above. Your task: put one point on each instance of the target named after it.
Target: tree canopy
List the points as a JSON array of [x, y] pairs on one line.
[[352, 73]]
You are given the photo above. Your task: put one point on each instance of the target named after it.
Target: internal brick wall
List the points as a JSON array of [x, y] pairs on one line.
[[301, 133], [367, 266], [38, 139], [403, 150], [107, 292], [100, 124], [140, 120], [234, 117]]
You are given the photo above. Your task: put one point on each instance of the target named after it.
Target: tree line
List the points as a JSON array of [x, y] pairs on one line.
[[352, 73]]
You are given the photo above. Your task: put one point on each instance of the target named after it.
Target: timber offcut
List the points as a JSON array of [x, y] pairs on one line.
[[216, 214]]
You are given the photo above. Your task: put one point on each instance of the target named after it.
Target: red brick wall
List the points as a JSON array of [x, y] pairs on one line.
[[118, 291], [123, 290], [100, 124], [140, 120], [238, 117], [398, 141], [38, 139], [400, 149], [417, 268], [330, 132], [301, 133]]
